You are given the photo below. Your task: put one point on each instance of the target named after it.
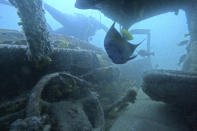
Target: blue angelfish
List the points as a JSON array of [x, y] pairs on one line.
[[118, 48]]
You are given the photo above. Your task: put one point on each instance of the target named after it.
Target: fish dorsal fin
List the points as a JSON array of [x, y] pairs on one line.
[[113, 24], [114, 34], [133, 46], [112, 27]]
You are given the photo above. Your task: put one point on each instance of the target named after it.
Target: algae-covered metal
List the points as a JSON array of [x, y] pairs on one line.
[[35, 29]]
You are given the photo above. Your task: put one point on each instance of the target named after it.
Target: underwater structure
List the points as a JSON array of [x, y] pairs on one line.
[[177, 88], [127, 13], [55, 82], [78, 25]]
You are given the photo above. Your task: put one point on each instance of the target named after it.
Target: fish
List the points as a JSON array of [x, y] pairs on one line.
[[118, 49], [144, 53], [186, 35], [182, 59], [156, 66], [184, 42]]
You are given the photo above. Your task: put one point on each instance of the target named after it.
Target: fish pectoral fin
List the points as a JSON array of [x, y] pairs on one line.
[[130, 58]]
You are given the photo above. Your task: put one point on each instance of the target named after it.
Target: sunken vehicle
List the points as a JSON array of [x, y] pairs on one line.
[[57, 82]]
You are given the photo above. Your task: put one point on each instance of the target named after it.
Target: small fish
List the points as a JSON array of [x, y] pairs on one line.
[[184, 42], [186, 35], [118, 49], [144, 53], [182, 58], [156, 66]]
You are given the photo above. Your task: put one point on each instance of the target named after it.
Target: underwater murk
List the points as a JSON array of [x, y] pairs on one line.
[[98, 65]]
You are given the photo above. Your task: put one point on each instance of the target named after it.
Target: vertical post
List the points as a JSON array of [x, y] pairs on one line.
[[148, 42], [35, 29], [190, 64]]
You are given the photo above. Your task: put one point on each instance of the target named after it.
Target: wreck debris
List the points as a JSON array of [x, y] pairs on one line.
[[71, 27], [103, 75], [31, 123], [71, 97], [114, 110], [83, 30], [190, 64], [34, 26], [62, 101], [176, 88], [173, 87], [54, 101], [74, 61], [10, 111], [129, 12]]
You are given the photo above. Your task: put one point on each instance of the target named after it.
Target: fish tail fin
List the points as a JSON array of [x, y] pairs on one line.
[[141, 42], [130, 58], [132, 46], [136, 45]]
